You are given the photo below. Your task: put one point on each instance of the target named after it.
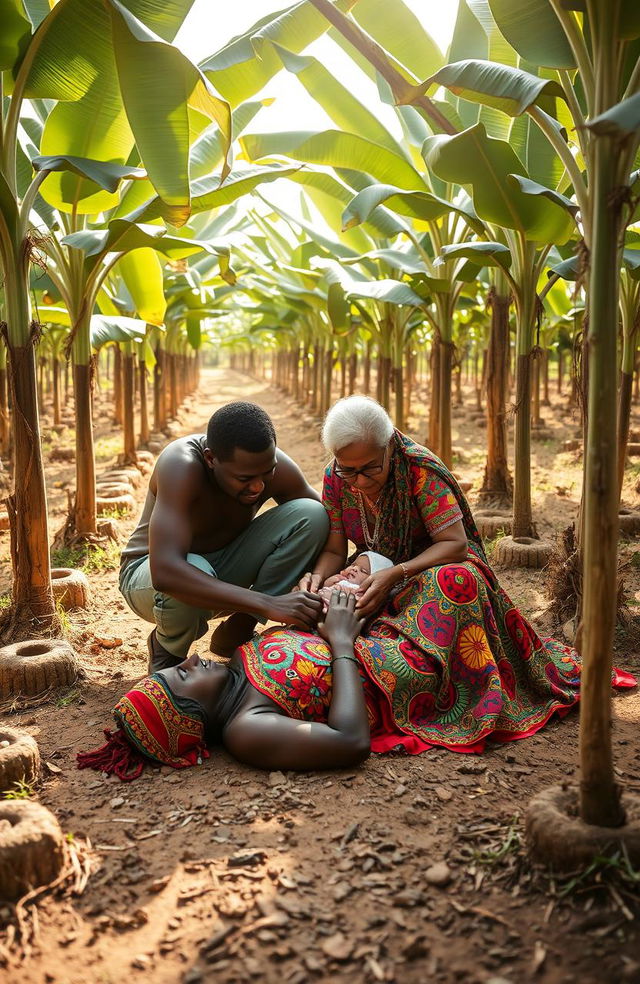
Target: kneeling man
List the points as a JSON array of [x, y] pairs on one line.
[[200, 550]]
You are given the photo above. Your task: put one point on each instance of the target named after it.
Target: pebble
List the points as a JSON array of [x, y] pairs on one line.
[[438, 874], [5, 743]]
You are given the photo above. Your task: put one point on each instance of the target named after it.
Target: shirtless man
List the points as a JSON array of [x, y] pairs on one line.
[[199, 548]]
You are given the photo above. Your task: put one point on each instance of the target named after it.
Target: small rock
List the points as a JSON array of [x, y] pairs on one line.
[[443, 794], [276, 778], [141, 962], [338, 947], [438, 874], [4, 744], [116, 802]]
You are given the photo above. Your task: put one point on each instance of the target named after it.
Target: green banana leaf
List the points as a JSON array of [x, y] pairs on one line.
[[141, 271], [243, 66], [107, 176], [90, 121], [122, 235], [105, 329], [504, 87], [335, 149], [158, 113], [338, 102], [482, 254], [15, 34], [208, 193], [620, 121], [533, 29], [491, 168], [416, 204]]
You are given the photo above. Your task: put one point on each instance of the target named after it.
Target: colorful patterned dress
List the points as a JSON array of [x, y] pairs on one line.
[[449, 660]]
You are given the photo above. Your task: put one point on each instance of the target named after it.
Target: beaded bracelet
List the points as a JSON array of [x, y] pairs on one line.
[[352, 658], [405, 574]]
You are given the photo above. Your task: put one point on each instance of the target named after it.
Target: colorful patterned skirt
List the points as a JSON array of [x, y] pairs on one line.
[[449, 661]]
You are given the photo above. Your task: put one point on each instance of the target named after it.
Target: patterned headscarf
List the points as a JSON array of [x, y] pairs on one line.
[[395, 506], [153, 723]]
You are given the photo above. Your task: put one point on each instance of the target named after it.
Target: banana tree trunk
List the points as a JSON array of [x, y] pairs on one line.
[[526, 302], [630, 324], [599, 792], [85, 505], [5, 428], [27, 505], [497, 483], [144, 409], [444, 412], [434, 402], [128, 401], [118, 412], [56, 391]]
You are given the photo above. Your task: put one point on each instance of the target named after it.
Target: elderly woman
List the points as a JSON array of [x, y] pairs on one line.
[[452, 660]]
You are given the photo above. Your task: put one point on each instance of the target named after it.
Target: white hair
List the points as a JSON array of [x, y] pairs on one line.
[[354, 419]]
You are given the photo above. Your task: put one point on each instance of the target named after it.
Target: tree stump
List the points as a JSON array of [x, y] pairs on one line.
[[31, 848], [573, 445], [4, 520], [629, 522], [122, 503], [557, 836], [70, 588], [19, 758], [523, 551], [31, 667], [490, 524], [109, 528]]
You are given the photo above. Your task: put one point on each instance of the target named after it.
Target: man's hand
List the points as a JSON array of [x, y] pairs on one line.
[[309, 582], [299, 608], [342, 623], [375, 590]]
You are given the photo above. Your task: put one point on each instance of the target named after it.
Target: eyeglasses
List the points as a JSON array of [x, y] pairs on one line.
[[350, 474]]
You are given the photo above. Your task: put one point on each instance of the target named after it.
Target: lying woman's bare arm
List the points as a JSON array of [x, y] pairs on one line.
[[264, 737]]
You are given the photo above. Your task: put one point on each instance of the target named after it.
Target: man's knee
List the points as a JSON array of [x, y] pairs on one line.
[[312, 517]]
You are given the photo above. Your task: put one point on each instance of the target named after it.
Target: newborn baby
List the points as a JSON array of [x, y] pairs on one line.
[[350, 579]]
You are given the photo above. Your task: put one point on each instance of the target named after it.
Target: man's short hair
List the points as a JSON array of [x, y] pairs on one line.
[[239, 425]]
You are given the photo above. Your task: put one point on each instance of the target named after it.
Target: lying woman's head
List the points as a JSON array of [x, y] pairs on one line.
[[356, 420], [154, 722]]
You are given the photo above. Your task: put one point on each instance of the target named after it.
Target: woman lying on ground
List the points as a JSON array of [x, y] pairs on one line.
[[446, 658], [172, 716]]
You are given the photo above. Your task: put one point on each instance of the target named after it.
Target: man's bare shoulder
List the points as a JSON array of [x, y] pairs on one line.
[[179, 464]]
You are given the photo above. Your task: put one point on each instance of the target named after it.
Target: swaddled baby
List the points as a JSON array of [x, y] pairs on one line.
[[350, 579]]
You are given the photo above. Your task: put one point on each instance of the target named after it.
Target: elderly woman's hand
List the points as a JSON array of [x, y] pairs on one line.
[[375, 590]]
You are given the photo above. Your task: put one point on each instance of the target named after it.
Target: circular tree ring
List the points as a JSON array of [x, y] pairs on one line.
[[121, 503], [490, 524], [31, 667], [130, 475], [522, 551], [19, 758], [70, 588], [558, 837], [110, 490], [31, 848]]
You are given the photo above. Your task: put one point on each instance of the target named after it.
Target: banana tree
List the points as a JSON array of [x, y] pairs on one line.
[[599, 42], [107, 45], [529, 218]]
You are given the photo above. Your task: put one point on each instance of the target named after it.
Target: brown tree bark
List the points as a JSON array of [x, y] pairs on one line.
[[497, 485]]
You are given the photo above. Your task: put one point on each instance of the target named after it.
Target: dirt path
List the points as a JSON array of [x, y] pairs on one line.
[[407, 870]]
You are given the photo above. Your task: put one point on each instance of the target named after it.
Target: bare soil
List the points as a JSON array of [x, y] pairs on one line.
[[407, 869]]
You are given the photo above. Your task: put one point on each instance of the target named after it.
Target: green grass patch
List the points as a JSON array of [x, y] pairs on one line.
[[22, 790], [90, 558]]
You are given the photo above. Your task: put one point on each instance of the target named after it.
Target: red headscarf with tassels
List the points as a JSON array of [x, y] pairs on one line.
[[153, 723]]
